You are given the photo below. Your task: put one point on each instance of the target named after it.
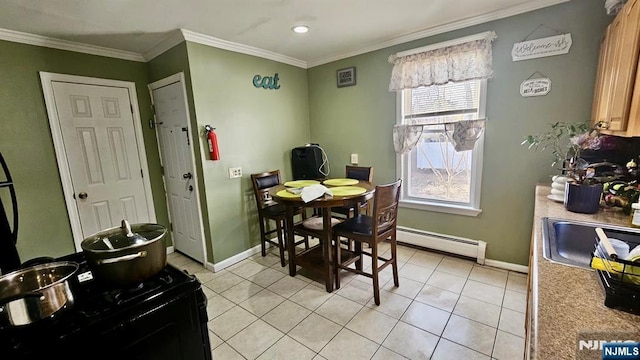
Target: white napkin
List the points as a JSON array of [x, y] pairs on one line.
[[314, 191]]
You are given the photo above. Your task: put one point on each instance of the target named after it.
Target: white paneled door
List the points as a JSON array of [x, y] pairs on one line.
[[176, 152], [102, 153], [97, 128]]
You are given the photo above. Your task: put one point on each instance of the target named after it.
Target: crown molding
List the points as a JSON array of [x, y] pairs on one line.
[[456, 25], [38, 40], [174, 38], [239, 48], [180, 35]]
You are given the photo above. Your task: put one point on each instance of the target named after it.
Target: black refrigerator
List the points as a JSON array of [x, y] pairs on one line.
[[9, 259]]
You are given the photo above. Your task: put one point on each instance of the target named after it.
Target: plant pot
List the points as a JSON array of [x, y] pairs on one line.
[[582, 198]]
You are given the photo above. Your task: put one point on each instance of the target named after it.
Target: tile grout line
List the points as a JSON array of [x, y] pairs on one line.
[[397, 321]]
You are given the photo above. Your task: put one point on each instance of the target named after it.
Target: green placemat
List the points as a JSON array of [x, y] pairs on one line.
[[301, 183], [286, 194], [340, 182], [347, 190]]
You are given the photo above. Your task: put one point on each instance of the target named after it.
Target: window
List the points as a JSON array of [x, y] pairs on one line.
[[435, 175], [441, 114]]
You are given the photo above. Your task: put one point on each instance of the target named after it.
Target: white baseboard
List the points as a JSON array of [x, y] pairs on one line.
[[454, 245], [215, 267], [507, 266], [234, 259], [450, 244]]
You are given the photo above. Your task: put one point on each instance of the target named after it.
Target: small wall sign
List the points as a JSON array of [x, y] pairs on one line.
[[346, 77], [549, 46], [535, 87], [266, 82]]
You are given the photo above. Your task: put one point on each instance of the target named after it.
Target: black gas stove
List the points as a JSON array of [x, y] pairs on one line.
[[162, 318]]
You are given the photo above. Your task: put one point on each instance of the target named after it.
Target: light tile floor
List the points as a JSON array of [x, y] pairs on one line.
[[445, 308]]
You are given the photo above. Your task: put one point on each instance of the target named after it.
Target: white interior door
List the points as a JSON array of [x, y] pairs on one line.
[[97, 136], [100, 146], [176, 151]]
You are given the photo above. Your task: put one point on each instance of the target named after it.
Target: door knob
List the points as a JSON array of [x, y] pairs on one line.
[[190, 188], [187, 176], [83, 195]]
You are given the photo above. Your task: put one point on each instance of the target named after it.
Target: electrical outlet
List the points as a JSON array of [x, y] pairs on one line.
[[235, 172], [354, 159]]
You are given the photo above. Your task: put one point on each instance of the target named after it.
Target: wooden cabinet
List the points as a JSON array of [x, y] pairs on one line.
[[616, 102]]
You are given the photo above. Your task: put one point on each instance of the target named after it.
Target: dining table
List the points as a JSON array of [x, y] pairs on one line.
[[318, 258]]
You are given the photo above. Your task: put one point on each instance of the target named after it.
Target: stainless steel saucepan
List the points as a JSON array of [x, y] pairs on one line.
[[36, 292]]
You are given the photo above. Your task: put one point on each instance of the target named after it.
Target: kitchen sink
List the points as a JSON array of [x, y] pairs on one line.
[[571, 242]]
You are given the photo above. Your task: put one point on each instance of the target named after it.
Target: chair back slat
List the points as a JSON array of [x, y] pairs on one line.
[[385, 206]]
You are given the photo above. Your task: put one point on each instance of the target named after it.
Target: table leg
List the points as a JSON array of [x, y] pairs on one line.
[[291, 241], [326, 248]]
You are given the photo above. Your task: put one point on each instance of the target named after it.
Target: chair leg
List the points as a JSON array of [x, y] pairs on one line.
[[394, 257], [350, 245], [303, 214], [262, 237], [374, 273], [357, 250], [280, 241], [336, 260]]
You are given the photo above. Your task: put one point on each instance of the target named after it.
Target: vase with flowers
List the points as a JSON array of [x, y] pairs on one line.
[[583, 190]]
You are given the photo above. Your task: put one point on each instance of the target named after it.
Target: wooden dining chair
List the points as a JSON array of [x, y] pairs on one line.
[[371, 230], [344, 212], [269, 210], [359, 173]]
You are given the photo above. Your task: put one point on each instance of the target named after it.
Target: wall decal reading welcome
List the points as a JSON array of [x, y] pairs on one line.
[[266, 82], [549, 46]]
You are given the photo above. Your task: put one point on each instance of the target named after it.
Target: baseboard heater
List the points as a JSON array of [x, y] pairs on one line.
[[446, 243]]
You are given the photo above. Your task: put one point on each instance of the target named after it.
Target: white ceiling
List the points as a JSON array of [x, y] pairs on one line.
[[339, 28]]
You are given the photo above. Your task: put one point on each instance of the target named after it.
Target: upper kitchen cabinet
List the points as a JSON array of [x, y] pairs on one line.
[[616, 101]]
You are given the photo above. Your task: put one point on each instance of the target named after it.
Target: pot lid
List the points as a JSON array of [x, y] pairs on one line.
[[125, 236]]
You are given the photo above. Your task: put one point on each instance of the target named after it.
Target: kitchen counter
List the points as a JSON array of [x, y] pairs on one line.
[[566, 300]]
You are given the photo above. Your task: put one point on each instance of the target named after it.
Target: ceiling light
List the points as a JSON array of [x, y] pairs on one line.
[[300, 29]]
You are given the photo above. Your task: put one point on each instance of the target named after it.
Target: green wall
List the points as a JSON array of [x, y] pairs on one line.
[[256, 129], [26, 143], [359, 119]]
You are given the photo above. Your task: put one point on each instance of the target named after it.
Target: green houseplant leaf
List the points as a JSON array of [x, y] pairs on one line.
[[566, 141]]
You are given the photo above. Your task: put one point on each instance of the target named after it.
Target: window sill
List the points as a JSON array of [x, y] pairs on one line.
[[444, 208]]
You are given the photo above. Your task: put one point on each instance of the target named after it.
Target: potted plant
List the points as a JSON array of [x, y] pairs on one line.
[[583, 190]]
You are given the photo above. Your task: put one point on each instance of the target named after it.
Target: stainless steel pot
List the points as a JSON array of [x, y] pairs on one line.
[[35, 293], [126, 255]]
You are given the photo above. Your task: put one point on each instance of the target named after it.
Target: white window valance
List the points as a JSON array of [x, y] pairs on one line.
[[464, 59]]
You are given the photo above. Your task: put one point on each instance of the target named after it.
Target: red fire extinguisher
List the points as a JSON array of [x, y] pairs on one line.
[[212, 140]]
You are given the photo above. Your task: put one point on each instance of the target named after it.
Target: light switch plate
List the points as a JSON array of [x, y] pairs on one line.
[[354, 159], [235, 172]]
